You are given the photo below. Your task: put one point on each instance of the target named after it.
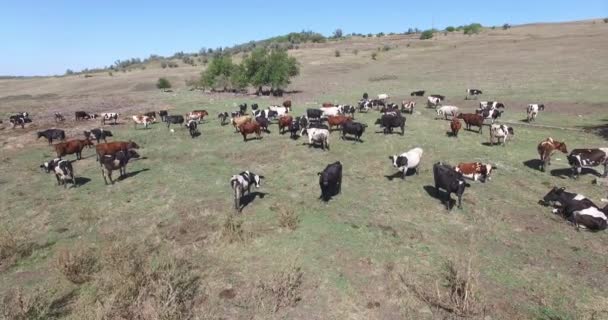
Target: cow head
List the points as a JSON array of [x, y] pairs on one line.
[[500, 105], [257, 180], [393, 159], [40, 134], [49, 166], [553, 197], [132, 145], [561, 146], [541, 107], [510, 130]]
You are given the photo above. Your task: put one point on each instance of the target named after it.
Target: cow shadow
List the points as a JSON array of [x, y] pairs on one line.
[[313, 145], [81, 181], [439, 195], [398, 175], [196, 134], [488, 144], [348, 138], [567, 172], [451, 134], [253, 138], [132, 174], [250, 197], [533, 164]]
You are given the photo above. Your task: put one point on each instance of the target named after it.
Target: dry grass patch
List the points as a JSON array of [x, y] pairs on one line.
[[77, 265], [18, 304], [12, 248], [281, 290], [287, 217], [232, 230]]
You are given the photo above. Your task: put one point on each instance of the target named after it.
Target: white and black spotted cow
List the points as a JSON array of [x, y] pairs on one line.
[[500, 133], [490, 105], [407, 160], [63, 171], [109, 116], [242, 182], [587, 158], [576, 208], [473, 93], [532, 111]]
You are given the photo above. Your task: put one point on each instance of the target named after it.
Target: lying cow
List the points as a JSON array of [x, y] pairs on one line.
[[117, 161], [318, 136], [242, 182], [407, 160], [587, 158], [99, 134], [63, 170], [52, 134], [576, 208], [330, 181], [475, 170], [448, 179], [501, 133], [72, 147]]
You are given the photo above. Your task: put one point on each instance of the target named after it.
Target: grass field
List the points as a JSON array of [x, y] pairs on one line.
[[163, 243]]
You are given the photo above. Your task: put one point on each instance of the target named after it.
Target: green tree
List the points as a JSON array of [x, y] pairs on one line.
[[450, 29], [338, 33], [163, 83], [270, 68], [219, 72], [426, 34], [473, 28]]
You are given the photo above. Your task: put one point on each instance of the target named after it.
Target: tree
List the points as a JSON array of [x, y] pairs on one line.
[[69, 72], [219, 72], [426, 34], [338, 33], [163, 83], [472, 28], [450, 29], [270, 68]]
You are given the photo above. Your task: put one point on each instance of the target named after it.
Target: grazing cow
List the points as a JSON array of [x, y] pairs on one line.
[[317, 135], [107, 116], [223, 116], [117, 161], [254, 106], [243, 109], [287, 104], [448, 179], [383, 96], [455, 126], [586, 158], [294, 127], [472, 93], [59, 117], [388, 121], [242, 182], [239, 121], [72, 147], [407, 106], [99, 134], [446, 111], [63, 170], [576, 208], [490, 113], [407, 160], [475, 170], [364, 105], [337, 121], [330, 181], [19, 120], [471, 119], [490, 105], [280, 111], [546, 148], [327, 105], [249, 128], [284, 123], [162, 114], [145, 120], [532, 111], [263, 122], [197, 115], [151, 114], [82, 115], [268, 114], [174, 119], [419, 93], [349, 111], [192, 128], [52, 134], [111, 148], [500, 132], [433, 102], [354, 128]]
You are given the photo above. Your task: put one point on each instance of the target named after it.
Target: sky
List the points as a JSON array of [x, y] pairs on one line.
[[47, 37]]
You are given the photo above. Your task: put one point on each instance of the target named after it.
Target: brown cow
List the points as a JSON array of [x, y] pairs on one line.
[[471, 119], [547, 148], [239, 121], [287, 104], [284, 122], [327, 104], [197, 115], [249, 128], [72, 147], [475, 170], [337, 121], [455, 125], [111, 148]]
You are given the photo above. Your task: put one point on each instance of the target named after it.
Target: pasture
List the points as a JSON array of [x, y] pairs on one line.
[[378, 250]]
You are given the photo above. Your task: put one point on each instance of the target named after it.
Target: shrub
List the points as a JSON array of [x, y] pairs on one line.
[[426, 34], [356, 51], [374, 55], [605, 20], [163, 83], [88, 75], [77, 265], [337, 53], [369, 35], [338, 33], [69, 72], [18, 304], [506, 26], [110, 73], [450, 29], [163, 65], [282, 290], [386, 47], [233, 229], [473, 28], [287, 218], [13, 248]]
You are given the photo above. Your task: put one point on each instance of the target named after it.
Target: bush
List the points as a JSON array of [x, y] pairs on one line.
[[473, 28], [163, 65], [18, 304], [450, 29], [386, 47], [338, 33], [374, 55], [506, 26], [337, 53], [287, 218], [426, 34], [233, 229], [605, 20], [369, 35], [380, 34], [110, 73], [163, 83], [77, 265], [69, 72]]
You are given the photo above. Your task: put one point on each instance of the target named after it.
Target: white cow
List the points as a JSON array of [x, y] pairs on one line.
[[500, 132], [407, 160], [408, 106], [383, 96], [533, 111], [433, 101], [281, 111], [446, 111], [331, 111], [317, 135]]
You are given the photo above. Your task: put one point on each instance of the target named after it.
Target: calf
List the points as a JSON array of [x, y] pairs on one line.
[[446, 111], [532, 111], [145, 120], [455, 126], [192, 128], [249, 128], [330, 181], [586, 158], [472, 93], [354, 128], [109, 116], [287, 104], [63, 170], [71, 147], [576, 208], [500, 132], [52, 134], [546, 148], [111, 148], [419, 93], [264, 123], [337, 121], [408, 106], [284, 123], [116, 161], [242, 182], [475, 170], [99, 134], [472, 120], [448, 179], [176, 119], [407, 160], [317, 135], [389, 121]]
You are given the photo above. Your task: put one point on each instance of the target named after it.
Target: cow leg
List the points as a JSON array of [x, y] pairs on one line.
[[605, 170], [460, 201], [58, 180]]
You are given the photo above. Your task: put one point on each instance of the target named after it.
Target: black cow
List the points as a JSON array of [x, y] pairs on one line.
[[151, 114], [52, 134], [192, 128], [243, 109], [472, 92], [330, 181], [99, 134], [450, 180], [162, 114], [178, 119], [419, 93], [314, 114], [294, 127], [354, 128], [82, 115], [585, 158], [19, 120], [576, 208], [254, 106], [263, 122], [365, 96], [390, 121]]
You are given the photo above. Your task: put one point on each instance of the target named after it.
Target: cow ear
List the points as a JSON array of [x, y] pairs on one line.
[[262, 177]]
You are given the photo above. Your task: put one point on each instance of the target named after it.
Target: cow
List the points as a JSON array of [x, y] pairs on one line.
[[294, 127], [268, 114], [174, 119], [500, 132], [111, 148], [331, 111], [223, 116], [59, 117], [263, 122], [546, 148], [314, 114], [107, 116], [391, 107], [433, 102], [445, 111], [287, 104], [151, 114], [192, 128], [471, 119], [448, 179], [242, 182], [383, 96], [438, 96], [63, 170], [280, 111], [490, 113], [52, 134], [576, 208], [473, 93], [249, 128], [317, 135], [117, 161], [197, 115], [407, 106], [532, 111], [354, 128], [327, 105], [337, 121], [254, 106], [364, 105], [377, 103], [491, 105], [586, 158], [162, 114], [284, 123], [419, 93], [407, 160], [455, 126], [304, 122], [349, 111], [72, 147], [239, 121], [99, 134], [330, 181], [389, 121], [145, 120], [19, 120], [82, 115], [475, 170], [243, 109]]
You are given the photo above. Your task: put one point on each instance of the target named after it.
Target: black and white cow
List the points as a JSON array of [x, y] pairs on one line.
[[267, 113], [364, 105], [587, 158], [576, 208], [109, 116], [192, 128], [118, 161], [490, 105], [99, 134], [19, 120], [59, 117], [353, 128], [500, 133], [63, 171], [490, 113], [472, 93], [52, 134], [349, 111], [450, 180], [407, 160], [330, 181], [242, 182], [532, 111], [433, 102], [314, 114]]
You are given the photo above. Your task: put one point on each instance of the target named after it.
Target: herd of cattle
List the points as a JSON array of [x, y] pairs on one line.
[[317, 125]]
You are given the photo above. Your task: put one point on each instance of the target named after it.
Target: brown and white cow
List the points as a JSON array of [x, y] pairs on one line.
[[547, 148], [408, 106], [145, 120], [475, 170], [197, 115], [239, 121]]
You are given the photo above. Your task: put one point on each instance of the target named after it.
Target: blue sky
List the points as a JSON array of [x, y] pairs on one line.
[[47, 37]]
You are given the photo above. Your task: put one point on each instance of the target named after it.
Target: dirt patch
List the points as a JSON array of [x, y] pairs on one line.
[[385, 229], [227, 294]]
